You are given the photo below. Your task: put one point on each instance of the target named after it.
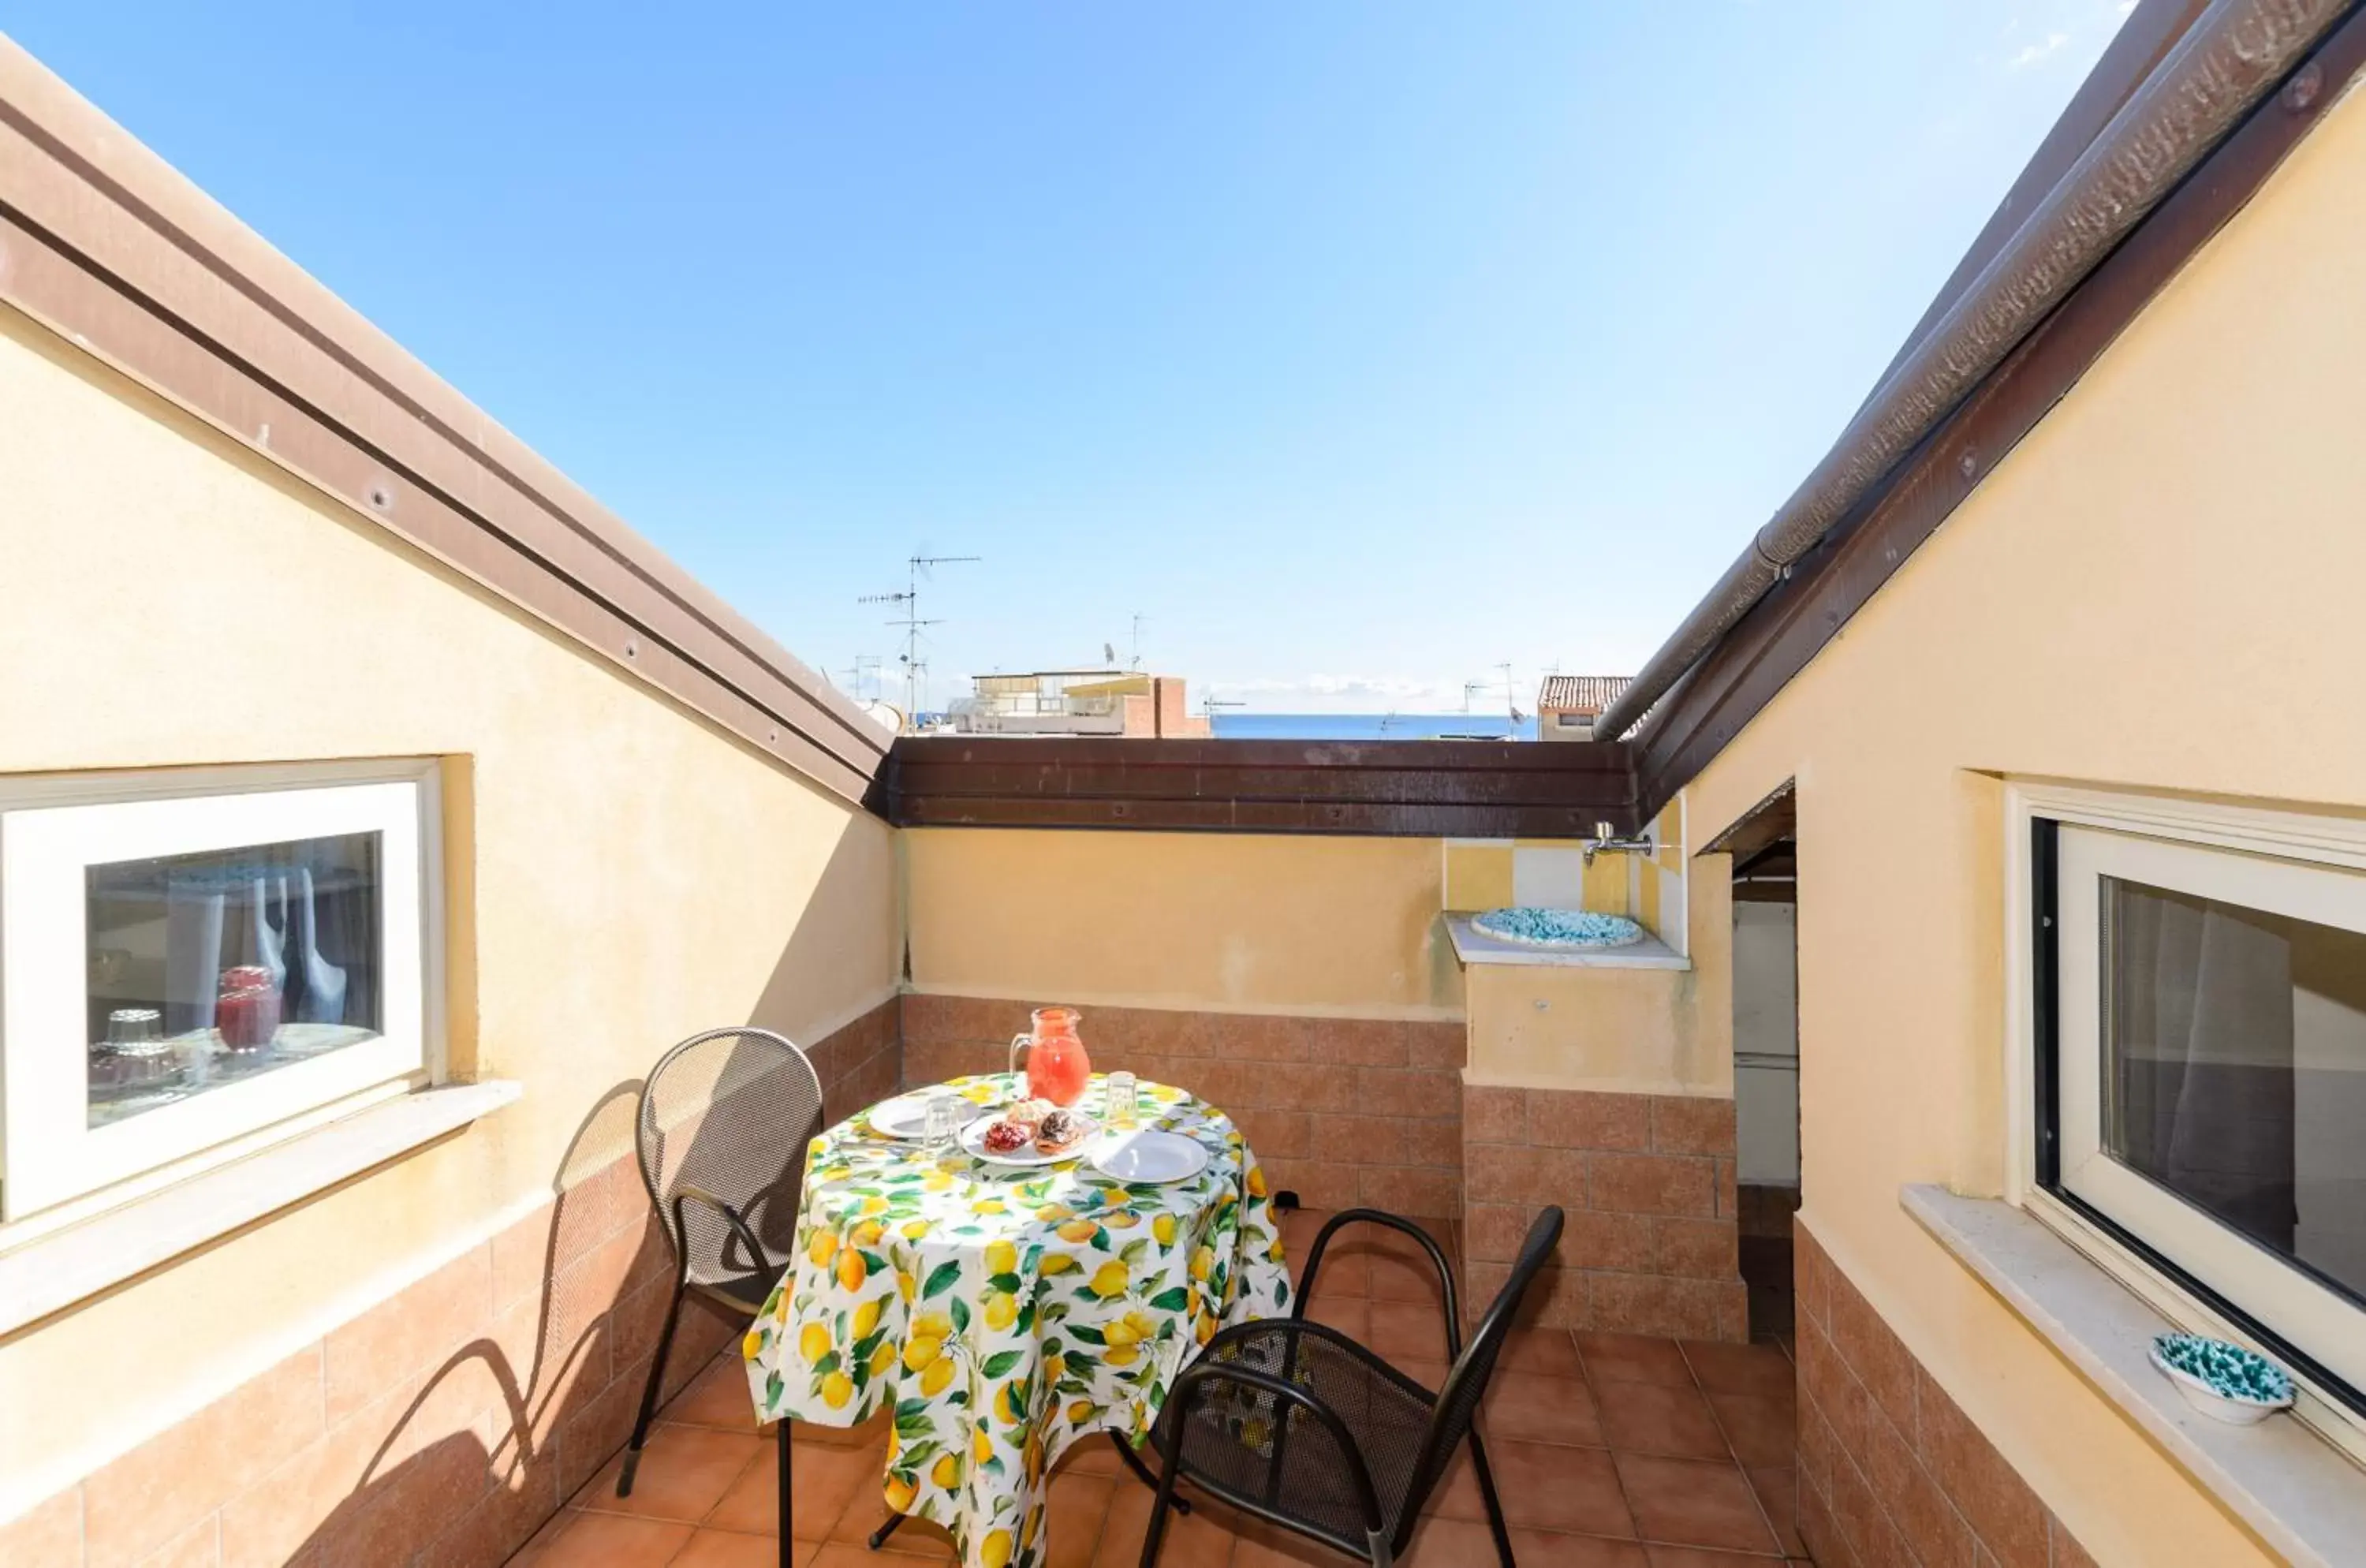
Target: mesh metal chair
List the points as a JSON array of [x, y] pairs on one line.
[[1296, 1423], [725, 1120]]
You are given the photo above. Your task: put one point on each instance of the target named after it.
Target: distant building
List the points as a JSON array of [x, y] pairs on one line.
[[1079, 702], [1567, 705]]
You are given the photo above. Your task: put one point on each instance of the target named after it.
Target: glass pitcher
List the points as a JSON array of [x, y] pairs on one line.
[[1057, 1067]]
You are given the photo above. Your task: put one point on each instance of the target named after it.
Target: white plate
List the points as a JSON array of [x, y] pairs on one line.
[[1150, 1157], [973, 1139], [905, 1117]]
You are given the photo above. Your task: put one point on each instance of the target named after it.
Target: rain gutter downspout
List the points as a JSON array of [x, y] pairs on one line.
[[2234, 55]]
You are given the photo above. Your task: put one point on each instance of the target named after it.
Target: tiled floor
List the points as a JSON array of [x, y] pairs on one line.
[[1610, 1451]]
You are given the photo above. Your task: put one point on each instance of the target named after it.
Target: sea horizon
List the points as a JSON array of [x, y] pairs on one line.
[[1369, 727]]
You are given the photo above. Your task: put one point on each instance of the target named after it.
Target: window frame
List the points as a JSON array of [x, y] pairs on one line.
[[2328, 1400], [53, 826]]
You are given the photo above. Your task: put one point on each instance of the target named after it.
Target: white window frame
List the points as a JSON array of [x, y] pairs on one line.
[[2178, 843], [55, 1167]]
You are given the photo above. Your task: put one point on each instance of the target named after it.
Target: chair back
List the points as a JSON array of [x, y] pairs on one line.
[[730, 1112], [1467, 1380]]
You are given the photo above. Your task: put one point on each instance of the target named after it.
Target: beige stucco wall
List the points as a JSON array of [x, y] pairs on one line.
[[629, 873], [1221, 923], [2158, 589], [1614, 1030]]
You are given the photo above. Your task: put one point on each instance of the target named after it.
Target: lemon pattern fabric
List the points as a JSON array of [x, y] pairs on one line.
[[1004, 1314]]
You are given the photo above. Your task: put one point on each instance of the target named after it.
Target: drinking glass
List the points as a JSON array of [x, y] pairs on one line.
[[1118, 1110], [945, 1119]]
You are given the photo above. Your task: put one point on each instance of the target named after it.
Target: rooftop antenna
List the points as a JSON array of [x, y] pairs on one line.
[[1138, 618], [1468, 688], [1511, 695], [864, 668], [916, 566]]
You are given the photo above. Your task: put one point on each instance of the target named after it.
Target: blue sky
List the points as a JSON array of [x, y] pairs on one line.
[[1360, 347]]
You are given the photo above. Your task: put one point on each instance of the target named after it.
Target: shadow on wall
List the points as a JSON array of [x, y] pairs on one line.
[[860, 1063], [490, 1443]]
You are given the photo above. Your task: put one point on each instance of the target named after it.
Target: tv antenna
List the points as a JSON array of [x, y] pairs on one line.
[[1511, 695], [917, 567], [1138, 618], [864, 670]]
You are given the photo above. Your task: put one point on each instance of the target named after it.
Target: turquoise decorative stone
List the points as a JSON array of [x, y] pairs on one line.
[[1558, 928], [2231, 1371]]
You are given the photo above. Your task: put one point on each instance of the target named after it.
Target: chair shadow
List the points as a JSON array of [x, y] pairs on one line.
[[557, 1397]]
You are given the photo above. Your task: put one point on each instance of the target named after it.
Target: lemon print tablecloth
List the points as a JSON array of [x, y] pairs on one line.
[[1002, 1314]]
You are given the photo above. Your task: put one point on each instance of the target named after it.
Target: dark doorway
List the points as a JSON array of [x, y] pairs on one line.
[[1766, 1053]]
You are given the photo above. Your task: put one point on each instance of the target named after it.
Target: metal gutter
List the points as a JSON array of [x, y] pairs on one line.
[[2235, 53]]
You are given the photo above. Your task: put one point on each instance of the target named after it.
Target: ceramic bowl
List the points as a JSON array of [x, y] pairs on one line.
[[2219, 1394]]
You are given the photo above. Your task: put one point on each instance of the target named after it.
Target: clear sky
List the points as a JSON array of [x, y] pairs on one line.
[[1358, 346]]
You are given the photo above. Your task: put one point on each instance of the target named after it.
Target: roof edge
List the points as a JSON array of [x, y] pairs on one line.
[[107, 245]]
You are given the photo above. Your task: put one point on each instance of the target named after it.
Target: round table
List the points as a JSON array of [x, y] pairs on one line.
[[1004, 1313]]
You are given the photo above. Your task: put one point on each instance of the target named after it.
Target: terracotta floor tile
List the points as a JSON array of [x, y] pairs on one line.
[[822, 1482], [727, 1549], [1093, 1455], [1542, 1409], [717, 1397], [1702, 1557], [1351, 1315], [1407, 1330], [1459, 1543], [1072, 1521], [1694, 1503], [1632, 1357], [1547, 1350], [684, 1471], [869, 1434], [1657, 1418], [1193, 1540], [1778, 1494], [1261, 1545], [1740, 1369], [1546, 1486], [614, 1540], [1758, 1426], [1431, 1375]]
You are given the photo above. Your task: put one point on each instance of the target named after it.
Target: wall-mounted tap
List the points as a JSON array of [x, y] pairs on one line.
[[1605, 840]]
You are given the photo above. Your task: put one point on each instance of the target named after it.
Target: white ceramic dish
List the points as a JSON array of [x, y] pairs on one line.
[[973, 1140], [1150, 1157], [905, 1117], [2233, 1409]]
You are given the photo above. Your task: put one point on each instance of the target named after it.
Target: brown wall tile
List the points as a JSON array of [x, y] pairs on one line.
[[1650, 1184], [1575, 1119], [135, 1504], [1410, 1189], [1492, 1114], [409, 1333], [1437, 1044], [1694, 1249], [48, 1535], [1876, 1356], [1496, 1174], [1384, 1091], [1356, 1041], [1654, 1304], [1692, 1124]]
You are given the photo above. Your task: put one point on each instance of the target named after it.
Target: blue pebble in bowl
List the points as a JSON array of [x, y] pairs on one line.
[[2221, 1380], [1533, 927]]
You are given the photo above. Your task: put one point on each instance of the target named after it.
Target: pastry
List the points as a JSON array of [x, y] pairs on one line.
[[1061, 1130], [1029, 1113], [1006, 1137]]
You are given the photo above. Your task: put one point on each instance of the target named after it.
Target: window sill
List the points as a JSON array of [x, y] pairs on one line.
[[1473, 946], [2294, 1489], [50, 1273]]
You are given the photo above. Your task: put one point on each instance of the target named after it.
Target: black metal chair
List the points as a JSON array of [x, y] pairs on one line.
[[724, 1120], [1298, 1425]]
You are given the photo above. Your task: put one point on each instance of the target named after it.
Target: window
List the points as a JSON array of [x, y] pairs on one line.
[[189, 961], [2200, 1064]]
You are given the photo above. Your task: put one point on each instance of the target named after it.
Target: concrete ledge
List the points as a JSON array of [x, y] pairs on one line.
[[1474, 946], [2299, 1492], [50, 1273]]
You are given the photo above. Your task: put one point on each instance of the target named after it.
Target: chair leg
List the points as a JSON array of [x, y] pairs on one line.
[[788, 1542], [649, 1399], [1166, 1499], [879, 1536], [1495, 1505]]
